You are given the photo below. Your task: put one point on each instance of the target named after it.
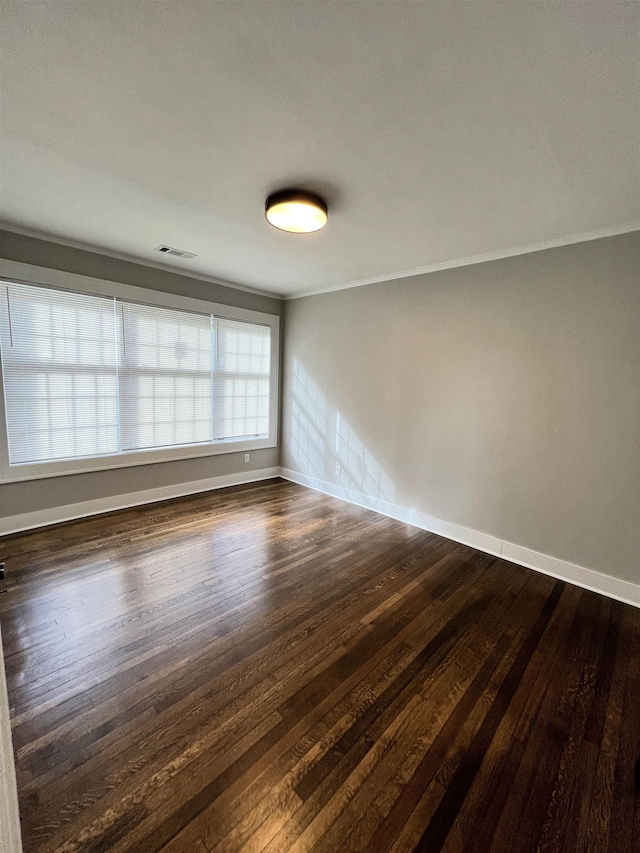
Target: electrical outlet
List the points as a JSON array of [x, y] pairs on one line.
[[338, 470], [246, 457]]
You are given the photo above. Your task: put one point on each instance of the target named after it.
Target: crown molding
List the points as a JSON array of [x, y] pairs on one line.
[[470, 260], [131, 259], [584, 237]]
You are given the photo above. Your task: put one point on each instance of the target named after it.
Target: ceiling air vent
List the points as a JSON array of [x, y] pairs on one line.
[[176, 253]]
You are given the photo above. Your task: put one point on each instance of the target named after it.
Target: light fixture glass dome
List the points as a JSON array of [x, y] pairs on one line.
[[297, 211]]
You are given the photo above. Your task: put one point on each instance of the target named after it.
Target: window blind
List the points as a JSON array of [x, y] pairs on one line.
[[164, 365], [241, 379], [59, 370], [88, 375]]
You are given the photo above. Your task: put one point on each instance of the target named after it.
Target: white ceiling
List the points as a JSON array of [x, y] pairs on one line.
[[437, 131]]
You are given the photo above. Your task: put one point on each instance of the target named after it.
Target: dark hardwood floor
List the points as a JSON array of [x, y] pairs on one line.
[[263, 668]]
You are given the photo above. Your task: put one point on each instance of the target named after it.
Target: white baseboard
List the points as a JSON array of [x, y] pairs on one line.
[[55, 515], [548, 565], [10, 841], [589, 579]]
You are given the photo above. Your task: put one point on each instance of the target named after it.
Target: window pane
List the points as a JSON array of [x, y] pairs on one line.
[[165, 376], [241, 387], [59, 371]]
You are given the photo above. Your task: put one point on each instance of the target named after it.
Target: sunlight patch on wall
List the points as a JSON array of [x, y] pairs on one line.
[[308, 423], [322, 438], [360, 471]]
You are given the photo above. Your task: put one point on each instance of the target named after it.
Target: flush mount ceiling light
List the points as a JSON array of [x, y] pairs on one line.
[[297, 211]]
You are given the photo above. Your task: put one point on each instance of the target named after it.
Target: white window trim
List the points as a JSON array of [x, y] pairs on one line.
[[28, 273]]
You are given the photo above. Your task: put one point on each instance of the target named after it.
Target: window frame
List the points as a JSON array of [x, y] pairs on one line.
[[29, 274]]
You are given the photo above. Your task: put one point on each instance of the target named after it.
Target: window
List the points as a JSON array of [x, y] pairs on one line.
[[60, 375], [241, 378], [89, 376], [164, 376]]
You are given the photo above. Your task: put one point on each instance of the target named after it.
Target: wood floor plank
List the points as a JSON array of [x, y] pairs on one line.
[[263, 668]]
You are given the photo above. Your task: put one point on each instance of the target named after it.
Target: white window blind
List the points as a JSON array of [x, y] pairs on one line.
[[164, 363], [59, 369], [89, 375], [241, 379]]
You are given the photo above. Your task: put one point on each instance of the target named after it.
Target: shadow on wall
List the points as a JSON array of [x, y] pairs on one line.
[[322, 440]]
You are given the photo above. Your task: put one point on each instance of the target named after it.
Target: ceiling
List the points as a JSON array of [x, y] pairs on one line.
[[437, 131]]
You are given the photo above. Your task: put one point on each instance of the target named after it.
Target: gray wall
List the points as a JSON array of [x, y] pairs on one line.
[[35, 495], [503, 396]]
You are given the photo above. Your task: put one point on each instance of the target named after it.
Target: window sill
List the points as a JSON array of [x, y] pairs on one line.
[[129, 459]]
